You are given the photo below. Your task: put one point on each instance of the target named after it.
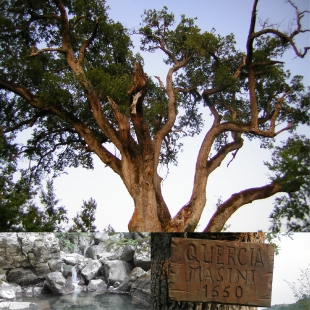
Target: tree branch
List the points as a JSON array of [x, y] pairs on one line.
[[230, 206], [123, 123], [216, 160], [29, 121], [284, 37], [94, 144], [88, 42], [48, 49]]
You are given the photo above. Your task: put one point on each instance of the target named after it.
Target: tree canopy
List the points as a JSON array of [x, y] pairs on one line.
[[69, 76]]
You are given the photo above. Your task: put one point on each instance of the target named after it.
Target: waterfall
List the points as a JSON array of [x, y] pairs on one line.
[[74, 276]]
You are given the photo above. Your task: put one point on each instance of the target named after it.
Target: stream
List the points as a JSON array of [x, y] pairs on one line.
[[84, 300]]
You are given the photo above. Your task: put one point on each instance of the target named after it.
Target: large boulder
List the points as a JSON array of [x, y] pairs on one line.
[[136, 273], [43, 246], [142, 256], [11, 255], [141, 290], [27, 249], [9, 291], [91, 270], [96, 285], [24, 276], [58, 284], [91, 252], [55, 265], [72, 258], [116, 270], [100, 237], [19, 306]]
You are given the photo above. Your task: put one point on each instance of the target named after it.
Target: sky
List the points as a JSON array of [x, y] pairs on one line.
[[294, 256], [115, 206]]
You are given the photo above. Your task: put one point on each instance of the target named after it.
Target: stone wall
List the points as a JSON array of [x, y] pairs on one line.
[[32, 263]]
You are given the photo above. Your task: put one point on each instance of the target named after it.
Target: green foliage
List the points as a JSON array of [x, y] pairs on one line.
[[271, 237], [125, 241], [64, 242], [108, 65], [291, 165], [49, 217], [84, 220], [13, 196], [302, 291], [110, 230]]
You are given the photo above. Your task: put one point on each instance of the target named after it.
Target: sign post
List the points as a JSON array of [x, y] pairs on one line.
[[238, 273]]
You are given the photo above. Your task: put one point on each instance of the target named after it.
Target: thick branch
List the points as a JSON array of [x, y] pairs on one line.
[[65, 28], [230, 206], [88, 42], [216, 160], [43, 50], [93, 143], [122, 122], [188, 216], [250, 39]]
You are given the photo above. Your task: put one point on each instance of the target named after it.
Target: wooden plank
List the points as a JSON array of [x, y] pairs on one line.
[[235, 272]]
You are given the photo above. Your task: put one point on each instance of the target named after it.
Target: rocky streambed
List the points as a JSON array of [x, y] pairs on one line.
[[78, 270]]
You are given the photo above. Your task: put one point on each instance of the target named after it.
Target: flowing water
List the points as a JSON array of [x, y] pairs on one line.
[[84, 300], [79, 300]]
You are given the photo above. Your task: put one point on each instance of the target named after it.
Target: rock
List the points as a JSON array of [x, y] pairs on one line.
[[27, 249], [19, 306], [67, 271], [72, 258], [85, 240], [23, 276], [104, 256], [116, 270], [58, 284], [91, 270], [9, 290], [32, 291], [116, 284], [100, 237], [39, 247], [96, 285], [2, 275], [141, 290], [41, 270], [91, 252], [125, 286], [7, 294], [11, 255], [55, 265], [142, 256], [79, 267], [123, 252]]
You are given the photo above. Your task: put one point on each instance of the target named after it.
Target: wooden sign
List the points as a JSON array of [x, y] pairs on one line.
[[237, 273]]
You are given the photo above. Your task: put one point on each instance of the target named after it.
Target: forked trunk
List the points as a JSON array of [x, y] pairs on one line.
[[151, 213], [161, 257]]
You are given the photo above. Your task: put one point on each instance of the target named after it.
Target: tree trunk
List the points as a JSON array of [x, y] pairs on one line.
[[143, 184], [161, 256]]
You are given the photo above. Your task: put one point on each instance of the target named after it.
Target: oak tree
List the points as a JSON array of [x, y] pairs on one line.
[[68, 75]]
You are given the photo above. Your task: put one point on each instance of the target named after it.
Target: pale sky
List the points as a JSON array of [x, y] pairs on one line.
[[115, 206], [294, 256]]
